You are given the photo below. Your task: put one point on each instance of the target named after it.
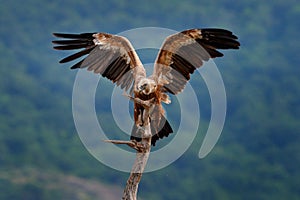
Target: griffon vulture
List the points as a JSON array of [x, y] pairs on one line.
[[114, 57]]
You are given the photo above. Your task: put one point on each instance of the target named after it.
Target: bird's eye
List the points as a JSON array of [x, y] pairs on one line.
[[142, 87]]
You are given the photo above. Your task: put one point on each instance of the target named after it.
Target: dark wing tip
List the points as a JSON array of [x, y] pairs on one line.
[[218, 31], [74, 36], [73, 42], [56, 34], [219, 38]]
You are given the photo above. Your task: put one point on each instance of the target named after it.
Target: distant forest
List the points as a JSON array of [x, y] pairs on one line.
[[257, 156]]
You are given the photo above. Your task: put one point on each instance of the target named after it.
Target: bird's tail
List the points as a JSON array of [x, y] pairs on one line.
[[164, 130]]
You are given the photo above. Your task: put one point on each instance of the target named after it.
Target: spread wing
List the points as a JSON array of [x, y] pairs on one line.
[[110, 55], [183, 52]]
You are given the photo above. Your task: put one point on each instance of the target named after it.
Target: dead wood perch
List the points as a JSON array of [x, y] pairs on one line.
[[143, 151]]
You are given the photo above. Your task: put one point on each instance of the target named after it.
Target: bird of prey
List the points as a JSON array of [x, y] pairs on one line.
[[114, 57]]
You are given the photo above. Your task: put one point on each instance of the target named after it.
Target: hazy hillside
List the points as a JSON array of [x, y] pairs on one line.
[[257, 156], [30, 183]]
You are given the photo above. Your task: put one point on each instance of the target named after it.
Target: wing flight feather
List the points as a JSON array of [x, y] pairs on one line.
[[183, 52], [110, 55]]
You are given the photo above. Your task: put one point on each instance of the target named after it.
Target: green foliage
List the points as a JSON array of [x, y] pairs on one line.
[[257, 156]]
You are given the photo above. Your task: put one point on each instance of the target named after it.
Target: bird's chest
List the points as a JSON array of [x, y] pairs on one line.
[[144, 107], [145, 97]]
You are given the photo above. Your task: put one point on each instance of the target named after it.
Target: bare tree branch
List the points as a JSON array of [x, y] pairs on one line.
[[143, 151], [130, 191]]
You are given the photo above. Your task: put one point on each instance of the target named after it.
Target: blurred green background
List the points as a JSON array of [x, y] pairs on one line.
[[257, 156]]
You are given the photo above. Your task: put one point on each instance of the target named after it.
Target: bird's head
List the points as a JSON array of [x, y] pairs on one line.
[[146, 86]]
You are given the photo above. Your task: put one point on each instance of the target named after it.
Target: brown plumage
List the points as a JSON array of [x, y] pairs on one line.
[[114, 57]]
